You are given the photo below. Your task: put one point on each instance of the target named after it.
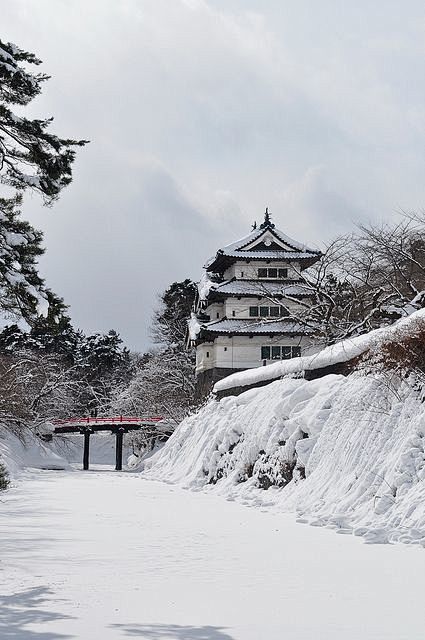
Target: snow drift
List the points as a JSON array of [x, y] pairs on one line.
[[17, 454], [342, 452]]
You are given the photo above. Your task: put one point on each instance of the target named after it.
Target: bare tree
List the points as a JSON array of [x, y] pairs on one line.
[[34, 389], [163, 383], [364, 280]]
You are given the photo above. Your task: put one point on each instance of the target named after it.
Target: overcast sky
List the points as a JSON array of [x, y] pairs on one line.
[[200, 113]]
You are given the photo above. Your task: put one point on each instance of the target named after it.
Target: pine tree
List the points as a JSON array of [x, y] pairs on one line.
[[55, 334], [100, 353], [27, 144], [11, 339], [170, 321], [22, 291]]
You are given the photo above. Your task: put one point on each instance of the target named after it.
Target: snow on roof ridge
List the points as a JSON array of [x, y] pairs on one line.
[[278, 325], [243, 241], [334, 354], [238, 245], [257, 233], [263, 289], [205, 285], [193, 326], [263, 254]]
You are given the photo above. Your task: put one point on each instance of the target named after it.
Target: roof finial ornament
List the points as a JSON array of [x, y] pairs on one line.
[[267, 220], [254, 226]]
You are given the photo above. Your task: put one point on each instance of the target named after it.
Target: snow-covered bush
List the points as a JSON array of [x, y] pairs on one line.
[[4, 478]]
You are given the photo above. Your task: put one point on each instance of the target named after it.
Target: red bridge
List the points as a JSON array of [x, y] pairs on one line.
[[117, 425]]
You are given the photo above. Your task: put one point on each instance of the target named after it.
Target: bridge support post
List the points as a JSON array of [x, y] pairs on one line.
[[118, 450], [86, 452]]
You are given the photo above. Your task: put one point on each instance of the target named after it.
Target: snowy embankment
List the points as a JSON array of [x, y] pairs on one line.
[[18, 454], [343, 452]]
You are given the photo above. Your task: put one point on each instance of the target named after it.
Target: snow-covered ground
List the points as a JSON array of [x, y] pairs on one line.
[[103, 555], [108, 556]]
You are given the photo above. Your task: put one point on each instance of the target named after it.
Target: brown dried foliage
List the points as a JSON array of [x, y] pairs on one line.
[[404, 352]]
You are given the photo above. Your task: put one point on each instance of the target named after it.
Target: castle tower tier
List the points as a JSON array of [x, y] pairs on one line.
[[251, 298]]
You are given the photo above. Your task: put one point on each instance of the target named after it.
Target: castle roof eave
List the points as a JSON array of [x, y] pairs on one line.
[[258, 289], [222, 260], [248, 328]]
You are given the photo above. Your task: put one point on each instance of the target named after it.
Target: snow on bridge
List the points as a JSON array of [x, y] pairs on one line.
[[117, 425], [77, 425]]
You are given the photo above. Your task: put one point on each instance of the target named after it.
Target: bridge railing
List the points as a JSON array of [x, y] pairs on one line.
[[107, 420]]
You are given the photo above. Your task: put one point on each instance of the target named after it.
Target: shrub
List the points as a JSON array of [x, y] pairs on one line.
[[273, 470], [404, 352], [4, 478]]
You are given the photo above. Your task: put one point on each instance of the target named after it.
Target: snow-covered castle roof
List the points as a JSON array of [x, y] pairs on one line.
[[263, 243]]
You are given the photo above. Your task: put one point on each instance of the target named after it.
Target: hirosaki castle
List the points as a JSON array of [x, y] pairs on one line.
[[249, 305]]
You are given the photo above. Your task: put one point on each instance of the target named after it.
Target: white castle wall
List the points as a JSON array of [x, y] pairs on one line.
[[249, 271], [242, 352], [234, 307]]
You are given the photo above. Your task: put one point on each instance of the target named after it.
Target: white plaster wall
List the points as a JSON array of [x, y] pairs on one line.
[[241, 306], [202, 361], [216, 308], [250, 269]]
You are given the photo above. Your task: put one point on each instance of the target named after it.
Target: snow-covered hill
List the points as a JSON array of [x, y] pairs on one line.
[[342, 452], [17, 454]]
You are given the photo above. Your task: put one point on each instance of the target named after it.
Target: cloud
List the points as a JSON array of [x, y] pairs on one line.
[[201, 113]]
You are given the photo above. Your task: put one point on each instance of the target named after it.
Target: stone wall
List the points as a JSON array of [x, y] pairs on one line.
[[343, 368], [207, 379]]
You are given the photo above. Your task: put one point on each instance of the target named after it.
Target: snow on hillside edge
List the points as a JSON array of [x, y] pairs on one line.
[[334, 354]]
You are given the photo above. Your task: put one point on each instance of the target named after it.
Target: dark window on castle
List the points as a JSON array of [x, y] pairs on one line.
[[233, 313], [208, 354], [218, 315], [265, 353], [225, 348], [272, 272], [265, 312], [275, 353], [241, 274]]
